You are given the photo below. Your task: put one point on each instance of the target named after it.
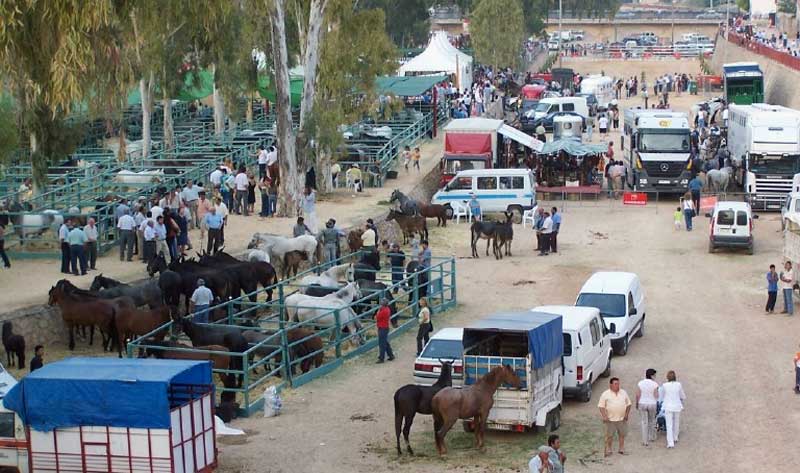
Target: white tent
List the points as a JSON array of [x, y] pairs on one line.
[[441, 56]]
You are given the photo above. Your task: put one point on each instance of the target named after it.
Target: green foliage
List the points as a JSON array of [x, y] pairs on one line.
[[743, 4], [407, 22], [787, 6], [551, 59], [499, 46], [9, 134]]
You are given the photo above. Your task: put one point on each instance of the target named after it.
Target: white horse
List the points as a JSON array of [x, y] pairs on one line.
[[126, 177], [718, 179], [277, 246], [328, 278], [256, 255], [320, 310]]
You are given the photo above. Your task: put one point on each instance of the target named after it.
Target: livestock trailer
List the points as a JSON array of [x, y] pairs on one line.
[[112, 415], [532, 344]]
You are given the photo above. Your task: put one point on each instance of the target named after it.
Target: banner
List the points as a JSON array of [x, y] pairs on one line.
[[707, 203], [634, 198]]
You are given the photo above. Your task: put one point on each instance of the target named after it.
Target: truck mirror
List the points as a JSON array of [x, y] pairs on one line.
[[612, 328], [632, 311]]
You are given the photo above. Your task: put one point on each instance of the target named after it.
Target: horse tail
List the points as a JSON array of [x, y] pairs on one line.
[[398, 419]]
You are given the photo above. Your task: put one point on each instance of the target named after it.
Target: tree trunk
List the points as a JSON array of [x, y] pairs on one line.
[[314, 36], [146, 94], [169, 132], [122, 152], [291, 181], [219, 113], [324, 180], [36, 165], [249, 110]]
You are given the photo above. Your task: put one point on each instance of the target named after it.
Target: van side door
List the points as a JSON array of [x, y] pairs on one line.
[[595, 352]]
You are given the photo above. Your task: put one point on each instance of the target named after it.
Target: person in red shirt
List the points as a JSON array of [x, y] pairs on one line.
[[382, 318]]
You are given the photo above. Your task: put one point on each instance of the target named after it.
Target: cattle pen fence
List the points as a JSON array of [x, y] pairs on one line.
[[294, 352]]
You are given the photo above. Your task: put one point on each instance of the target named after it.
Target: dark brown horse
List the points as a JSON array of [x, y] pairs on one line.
[[413, 399], [473, 401], [503, 236], [437, 211], [77, 312], [409, 224], [134, 322]]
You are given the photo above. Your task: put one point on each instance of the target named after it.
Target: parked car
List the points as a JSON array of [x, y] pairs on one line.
[[731, 226], [547, 120], [446, 344], [790, 207], [587, 348], [620, 298]]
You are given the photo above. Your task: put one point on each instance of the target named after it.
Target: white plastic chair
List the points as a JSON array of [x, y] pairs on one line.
[[528, 216], [461, 210]]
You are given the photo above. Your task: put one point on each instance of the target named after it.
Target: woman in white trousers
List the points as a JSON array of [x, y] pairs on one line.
[[672, 396]]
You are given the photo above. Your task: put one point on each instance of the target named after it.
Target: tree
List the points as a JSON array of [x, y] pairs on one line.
[[743, 5], [787, 6], [493, 45], [407, 23]]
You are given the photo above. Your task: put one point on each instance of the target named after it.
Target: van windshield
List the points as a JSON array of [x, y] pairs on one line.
[[542, 107], [609, 305]]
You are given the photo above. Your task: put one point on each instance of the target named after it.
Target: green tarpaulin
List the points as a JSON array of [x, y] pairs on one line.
[[267, 90], [407, 86], [573, 147], [190, 91]]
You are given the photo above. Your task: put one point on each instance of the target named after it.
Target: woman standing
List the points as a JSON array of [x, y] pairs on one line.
[[183, 230], [425, 325], [263, 188], [251, 193], [688, 210], [671, 396]]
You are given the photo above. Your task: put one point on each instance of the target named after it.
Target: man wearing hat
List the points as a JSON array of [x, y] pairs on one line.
[[541, 463], [330, 240], [200, 301], [353, 177]]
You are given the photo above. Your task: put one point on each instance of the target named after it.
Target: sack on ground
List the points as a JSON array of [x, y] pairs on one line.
[[272, 402]]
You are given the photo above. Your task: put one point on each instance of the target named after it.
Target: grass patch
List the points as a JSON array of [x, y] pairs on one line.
[[581, 442], [383, 202]]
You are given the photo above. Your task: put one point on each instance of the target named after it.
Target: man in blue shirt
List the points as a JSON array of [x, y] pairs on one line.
[[772, 289], [556, 217], [425, 255], [214, 224], [695, 186], [538, 220]]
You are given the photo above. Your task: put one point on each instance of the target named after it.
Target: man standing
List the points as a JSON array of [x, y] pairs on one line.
[[241, 183], [191, 195], [213, 222], [695, 186], [300, 228], [547, 230], [382, 323], [161, 237], [772, 289], [538, 220], [77, 239], [200, 302], [615, 405], [330, 241], [556, 227], [425, 256], [368, 239], [63, 233], [126, 225], [91, 243], [38, 358], [787, 286], [203, 205], [262, 162], [556, 455], [397, 261], [222, 211], [541, 133], [3, 254], [646, 396], [540, 463], [149, 240]]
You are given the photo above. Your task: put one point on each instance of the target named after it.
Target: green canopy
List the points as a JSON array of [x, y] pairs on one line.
[[267, 90], [189, 91], [572, 147], [407, 86]]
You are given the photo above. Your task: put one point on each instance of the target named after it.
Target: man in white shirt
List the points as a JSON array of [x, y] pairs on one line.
[[63, 232], [126, 225], [215, 177], [725, 115], [161, 237], [646, 395], [546, 232], [787, 287], [241, 182], [150, 237], [222, 210], [91, 243], [541, 463], [262, 162], [156, 211], [201, 299], [191, 195], [602, 125]]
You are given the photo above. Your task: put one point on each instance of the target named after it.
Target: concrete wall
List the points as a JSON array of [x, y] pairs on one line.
[[779, 80]]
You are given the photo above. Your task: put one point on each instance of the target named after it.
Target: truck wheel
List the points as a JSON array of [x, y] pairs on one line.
[[517, 211], [622, 349], [468, 426], [639, 333], [553, 420], [586, 394], [607, 372], [448, 211]]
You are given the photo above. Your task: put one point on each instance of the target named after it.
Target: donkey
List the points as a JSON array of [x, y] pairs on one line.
[[412, 399], [504, 234]]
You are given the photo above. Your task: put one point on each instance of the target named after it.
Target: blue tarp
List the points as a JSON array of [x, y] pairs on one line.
[[545, 339], [109, 392]]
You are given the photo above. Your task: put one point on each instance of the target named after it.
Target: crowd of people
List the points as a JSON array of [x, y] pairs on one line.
[[778, 40]]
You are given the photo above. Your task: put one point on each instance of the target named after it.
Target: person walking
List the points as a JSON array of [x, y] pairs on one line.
[[213, 223], [251, 193], [672, 396], [556, 217], [6, 263], [695, 186], [546, 231], [262, 162], [556, 455], [241, 183], [382, 318], [91, 243], [772, 289], [688, 211], [397, 260], [200, 302], [425, 325], [161, 237], [425, 255], [615, 406], [474, 207], [203, 206], [63, 232], [329, 237], [77, 239], [310, 209], [787, 287], [126, 226], [406, 155], [602, 125], [416, 156], [646, 397]]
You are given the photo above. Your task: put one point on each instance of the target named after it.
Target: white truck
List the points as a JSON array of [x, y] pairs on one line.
[[656, 151], [602, 87], [764, 143], [532, 344]]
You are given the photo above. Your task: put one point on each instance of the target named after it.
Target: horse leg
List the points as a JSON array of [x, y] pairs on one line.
[[447, 424], [71, 336], [488, 241], [407, 431], [398, 424], [91, 335]]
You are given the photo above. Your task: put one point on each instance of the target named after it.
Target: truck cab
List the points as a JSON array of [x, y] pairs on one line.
[[656, 150]]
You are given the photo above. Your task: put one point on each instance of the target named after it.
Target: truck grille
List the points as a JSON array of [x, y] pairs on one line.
[[664, 168], [773, 186]]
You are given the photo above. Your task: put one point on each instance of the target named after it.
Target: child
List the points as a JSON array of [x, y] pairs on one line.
[[678, 218], [416, 157], [406, 157]]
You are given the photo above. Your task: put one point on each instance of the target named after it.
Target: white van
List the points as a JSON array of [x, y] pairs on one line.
[[731, 226], [602, 87], [620, 299], [587, 348], [561, 104], [497, 190]]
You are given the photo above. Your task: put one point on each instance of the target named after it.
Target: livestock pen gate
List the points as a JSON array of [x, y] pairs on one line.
[[117, 415], [284, 356]]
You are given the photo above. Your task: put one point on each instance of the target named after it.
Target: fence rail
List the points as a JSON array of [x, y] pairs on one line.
[[778, 56]]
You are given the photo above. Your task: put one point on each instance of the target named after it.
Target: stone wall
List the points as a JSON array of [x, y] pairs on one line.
[[779, 80]]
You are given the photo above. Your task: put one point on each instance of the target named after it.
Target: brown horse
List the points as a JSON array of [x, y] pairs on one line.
[[218, 360], [437, 211], [135, 322], [409, 224], [354, 241], [91, 312], [473, 401]]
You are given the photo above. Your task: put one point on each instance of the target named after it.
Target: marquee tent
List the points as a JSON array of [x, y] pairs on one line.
[[441, 56]]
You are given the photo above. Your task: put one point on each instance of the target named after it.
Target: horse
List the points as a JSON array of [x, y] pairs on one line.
[[229, 337], [133, 322], [257, 255], [291, 263], [412, 399], [328, 278], [277, 245], [504, 234], [26, 224], [437, 211], [354, 242], [218, 360], [302, 308], [478, 230], [14, 345], [718, 179], [147, 293], [407, 205], [90, 312], [409, 224], [474, 401]]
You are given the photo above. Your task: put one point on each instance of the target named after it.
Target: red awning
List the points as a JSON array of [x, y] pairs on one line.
[[472, 143]]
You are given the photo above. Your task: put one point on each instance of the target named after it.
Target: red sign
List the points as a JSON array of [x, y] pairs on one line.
[[634, 198], [708, 203]]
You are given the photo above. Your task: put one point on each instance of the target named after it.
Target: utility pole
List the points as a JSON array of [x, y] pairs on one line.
[[673, 26], [560, 32]]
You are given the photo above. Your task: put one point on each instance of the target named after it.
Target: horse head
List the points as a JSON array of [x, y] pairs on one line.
[[395, 195], [508, 376], [54, 295], [97, 283], [350, 272], [156, 265]]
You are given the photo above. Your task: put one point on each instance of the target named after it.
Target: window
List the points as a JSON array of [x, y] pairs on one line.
[[7, 424], [567, 344], [597, 334], [630, 302], [487, 183], [512, 182], [460, 183], [567, 107], [725, 217], [741, 218], [439, 348], [610, 305]]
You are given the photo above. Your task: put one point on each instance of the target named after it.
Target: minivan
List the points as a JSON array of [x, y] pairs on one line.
[[444, 345], [587, 348], [731, 226], [620, 299], [561, 104], [497, 190]]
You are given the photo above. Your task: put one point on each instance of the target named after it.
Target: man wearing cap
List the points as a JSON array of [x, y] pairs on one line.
[[200, 301], [330, 241], [382, 318], [540, 463]]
